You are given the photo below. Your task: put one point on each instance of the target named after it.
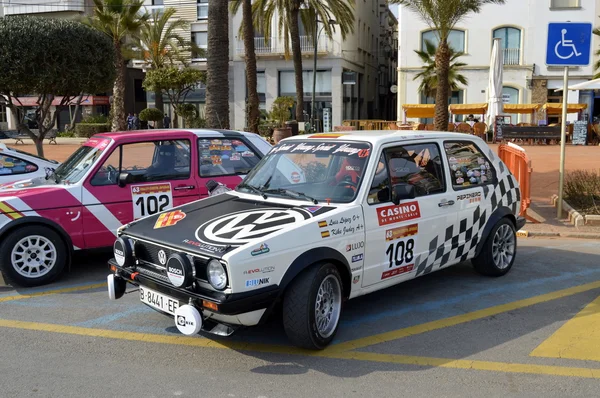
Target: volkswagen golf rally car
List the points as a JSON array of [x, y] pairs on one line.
[[112, 179], [358, 212]]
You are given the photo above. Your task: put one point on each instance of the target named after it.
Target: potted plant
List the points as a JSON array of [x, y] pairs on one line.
[[280, 113]]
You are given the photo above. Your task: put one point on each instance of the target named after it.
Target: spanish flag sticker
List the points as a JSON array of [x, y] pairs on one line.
[[325, 234], [322, 224], [169, 219]]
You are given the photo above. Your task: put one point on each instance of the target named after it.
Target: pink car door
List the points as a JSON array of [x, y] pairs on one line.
[[137, 180]]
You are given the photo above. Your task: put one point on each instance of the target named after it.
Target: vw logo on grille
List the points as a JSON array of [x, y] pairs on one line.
[[162, 257], [239, 228]]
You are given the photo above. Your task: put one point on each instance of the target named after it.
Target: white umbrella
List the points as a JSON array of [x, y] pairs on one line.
[[495, 84], [589, 85]]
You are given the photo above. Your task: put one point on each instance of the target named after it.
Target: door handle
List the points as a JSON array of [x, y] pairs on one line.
[[446, 203], [184, 187]]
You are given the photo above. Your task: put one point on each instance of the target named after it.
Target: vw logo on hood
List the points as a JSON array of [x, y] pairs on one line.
[[240, 228]]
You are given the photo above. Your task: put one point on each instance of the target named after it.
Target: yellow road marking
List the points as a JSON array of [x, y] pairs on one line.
[[458, 319], [50, 292], [348, 355], [579, 338], [504, 367]]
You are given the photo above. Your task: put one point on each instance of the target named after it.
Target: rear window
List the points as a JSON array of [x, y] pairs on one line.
[[222, 156], [11, 165]]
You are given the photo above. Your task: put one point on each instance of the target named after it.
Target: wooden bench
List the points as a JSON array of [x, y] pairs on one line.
[[531, 133], [19, 136]]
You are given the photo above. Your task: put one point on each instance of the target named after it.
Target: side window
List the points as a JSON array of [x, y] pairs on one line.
[[468, 165], [419, 165], [380, 187], [146, 162], [221, 157], [12, 165]]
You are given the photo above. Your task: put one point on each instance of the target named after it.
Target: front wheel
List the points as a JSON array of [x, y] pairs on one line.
[[312, 306], [32, 256], [499, 250]]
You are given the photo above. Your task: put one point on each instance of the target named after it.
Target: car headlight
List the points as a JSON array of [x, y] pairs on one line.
[[123, 252], [217, 276]]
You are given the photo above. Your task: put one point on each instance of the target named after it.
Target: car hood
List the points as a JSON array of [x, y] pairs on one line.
[[222, 223], [38, 198]]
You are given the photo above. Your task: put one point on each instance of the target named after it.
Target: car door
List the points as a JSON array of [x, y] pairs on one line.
[[472, 175], [403, 240], [226, 160], [155, 176]]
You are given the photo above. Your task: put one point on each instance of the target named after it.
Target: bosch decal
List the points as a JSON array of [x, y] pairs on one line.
[[398, 213]]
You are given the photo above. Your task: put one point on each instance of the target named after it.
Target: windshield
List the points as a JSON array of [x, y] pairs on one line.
[[312, 170], [32, 155], [78, 164]]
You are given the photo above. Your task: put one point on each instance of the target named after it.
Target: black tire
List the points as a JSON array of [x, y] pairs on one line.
[[47, 273], [299, 319], [485, 263]]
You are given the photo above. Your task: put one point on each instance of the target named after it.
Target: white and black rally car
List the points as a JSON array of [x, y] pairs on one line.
[[321, 219]]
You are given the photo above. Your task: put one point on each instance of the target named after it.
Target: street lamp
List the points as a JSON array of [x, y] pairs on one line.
[[314, 87]]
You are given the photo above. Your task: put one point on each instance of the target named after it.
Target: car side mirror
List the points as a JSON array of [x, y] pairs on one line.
[[124, 179], [403, 191]]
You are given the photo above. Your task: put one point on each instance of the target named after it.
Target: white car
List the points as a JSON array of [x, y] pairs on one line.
[[359, 212], [16, 165]]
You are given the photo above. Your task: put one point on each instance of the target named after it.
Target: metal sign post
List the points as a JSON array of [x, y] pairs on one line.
[[568, 44]]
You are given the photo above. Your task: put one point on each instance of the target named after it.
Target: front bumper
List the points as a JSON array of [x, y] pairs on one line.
[[227, 304], [520, 222]]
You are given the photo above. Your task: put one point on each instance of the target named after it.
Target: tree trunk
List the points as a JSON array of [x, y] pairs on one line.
[[118, 122], [217, 79], [297, 57], [160, 105], [442, 67], [252, 111], [74, 116], [39, 146]]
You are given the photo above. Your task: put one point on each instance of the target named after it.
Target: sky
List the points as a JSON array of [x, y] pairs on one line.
[[394, 8]]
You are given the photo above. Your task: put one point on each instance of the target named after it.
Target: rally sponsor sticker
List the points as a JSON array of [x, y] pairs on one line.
[[402, 232], [169, 219], [151, 199], [398, 213]]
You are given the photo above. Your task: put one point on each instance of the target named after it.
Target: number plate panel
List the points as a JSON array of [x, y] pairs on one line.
[[158, 300], [150, 199]]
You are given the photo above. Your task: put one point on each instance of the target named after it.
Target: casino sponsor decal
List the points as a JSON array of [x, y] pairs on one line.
[[258, 282], [239, 228], [398, 213], [169, 219], [262, 249]]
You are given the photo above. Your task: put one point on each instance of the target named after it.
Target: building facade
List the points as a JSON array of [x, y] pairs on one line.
[[521, 26]]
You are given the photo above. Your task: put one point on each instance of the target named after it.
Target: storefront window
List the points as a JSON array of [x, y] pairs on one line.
[[287, 83]]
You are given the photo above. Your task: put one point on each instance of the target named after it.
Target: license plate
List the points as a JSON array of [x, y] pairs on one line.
[[159, 301]]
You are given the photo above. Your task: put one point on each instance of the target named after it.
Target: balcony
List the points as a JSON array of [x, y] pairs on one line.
[[276, 47], [512, 56], [16, 7]]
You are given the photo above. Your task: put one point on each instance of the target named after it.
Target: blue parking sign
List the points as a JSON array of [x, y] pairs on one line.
[[569, 44]]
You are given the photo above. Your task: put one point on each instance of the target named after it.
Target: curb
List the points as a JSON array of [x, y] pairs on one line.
[[580, 235], [574, 216]]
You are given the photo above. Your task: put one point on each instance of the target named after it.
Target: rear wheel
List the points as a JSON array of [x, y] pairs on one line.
[[312, 306], [499, 251], [32, 256]]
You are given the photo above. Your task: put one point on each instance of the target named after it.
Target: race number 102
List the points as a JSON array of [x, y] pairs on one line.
[[151, 199]]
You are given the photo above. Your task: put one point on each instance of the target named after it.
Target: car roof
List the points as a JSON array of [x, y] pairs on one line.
[[376, 137], [160, 133]]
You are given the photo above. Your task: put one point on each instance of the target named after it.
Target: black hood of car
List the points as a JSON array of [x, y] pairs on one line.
[[219, 224]]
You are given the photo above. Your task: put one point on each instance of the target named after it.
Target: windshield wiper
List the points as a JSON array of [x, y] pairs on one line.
[[293, 194], [253, 189]]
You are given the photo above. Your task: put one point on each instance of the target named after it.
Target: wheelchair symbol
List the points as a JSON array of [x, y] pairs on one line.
[[566, 43]]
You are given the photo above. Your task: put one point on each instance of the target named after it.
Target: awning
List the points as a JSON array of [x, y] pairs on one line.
[[589, 85], [419, 110], [87, 100], [521, 108], [468, 109], [555, 108]]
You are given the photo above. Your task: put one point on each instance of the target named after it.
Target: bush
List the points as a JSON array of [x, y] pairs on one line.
[[95, 119], [86, 130], [151, 114], [582, 191], [65, 134]]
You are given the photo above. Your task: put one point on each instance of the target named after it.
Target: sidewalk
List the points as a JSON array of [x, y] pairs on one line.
[[551, 226]]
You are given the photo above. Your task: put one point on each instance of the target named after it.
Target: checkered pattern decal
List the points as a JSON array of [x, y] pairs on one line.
[[505, 193]]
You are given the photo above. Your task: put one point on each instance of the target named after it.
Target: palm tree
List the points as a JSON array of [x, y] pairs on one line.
[[443, 15], [429, 79], [252, 106], [119, 20], [217, 72], [288, 23], [596, 31], [160, 44]]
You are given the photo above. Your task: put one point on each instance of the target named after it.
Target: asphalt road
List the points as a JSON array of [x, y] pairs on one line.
[[453, 333]]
